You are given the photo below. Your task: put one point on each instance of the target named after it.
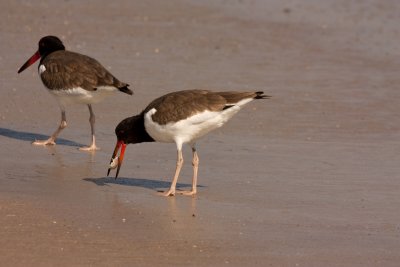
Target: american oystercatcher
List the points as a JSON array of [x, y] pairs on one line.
[[72, 78], [179, 117]]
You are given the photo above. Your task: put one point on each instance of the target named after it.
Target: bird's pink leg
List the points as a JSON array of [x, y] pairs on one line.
[[53, 137], [93, 146], [179, 163], [195, 163]]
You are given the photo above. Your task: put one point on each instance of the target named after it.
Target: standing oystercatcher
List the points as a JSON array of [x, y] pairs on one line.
[[179, 117], [72, 78]]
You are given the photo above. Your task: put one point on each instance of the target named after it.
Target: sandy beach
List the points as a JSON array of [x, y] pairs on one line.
[[310, 177]]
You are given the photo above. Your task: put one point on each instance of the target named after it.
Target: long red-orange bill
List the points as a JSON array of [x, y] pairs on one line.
[[121, 158], [117, 146], [30, 61], [122, 145]]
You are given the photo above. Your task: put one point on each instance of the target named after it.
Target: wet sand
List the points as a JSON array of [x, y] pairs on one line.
[[307, 178]]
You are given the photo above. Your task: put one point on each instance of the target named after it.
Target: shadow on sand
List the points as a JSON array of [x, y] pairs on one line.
[[139, 182], [27, 136]]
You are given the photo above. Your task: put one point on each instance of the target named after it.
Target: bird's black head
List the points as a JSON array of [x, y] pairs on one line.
[[129, 131], [47, 45]]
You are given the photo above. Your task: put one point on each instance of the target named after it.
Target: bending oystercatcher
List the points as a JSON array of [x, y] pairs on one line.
[[72, 78], [179, 117]]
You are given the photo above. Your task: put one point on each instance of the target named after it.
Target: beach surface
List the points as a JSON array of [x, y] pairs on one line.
[[310, 177]]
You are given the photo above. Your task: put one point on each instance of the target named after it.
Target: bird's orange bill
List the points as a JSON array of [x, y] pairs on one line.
[[122, 145], [30, 61]]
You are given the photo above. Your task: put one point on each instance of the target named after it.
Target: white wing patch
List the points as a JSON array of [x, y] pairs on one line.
[[244, 101]]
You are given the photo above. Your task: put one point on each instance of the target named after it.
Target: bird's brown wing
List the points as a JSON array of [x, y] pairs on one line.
[[66, 70], [183, 104]]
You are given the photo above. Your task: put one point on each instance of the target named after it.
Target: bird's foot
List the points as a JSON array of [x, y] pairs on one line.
[[89, 148], [169, 193], [47, 142], [186, 192]]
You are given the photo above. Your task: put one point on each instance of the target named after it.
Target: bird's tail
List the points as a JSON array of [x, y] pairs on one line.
[[260, 95], [126, 90]]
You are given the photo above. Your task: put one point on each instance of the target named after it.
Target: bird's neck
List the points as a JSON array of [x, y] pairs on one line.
[[139, 131], [45, 54], [145, 137]]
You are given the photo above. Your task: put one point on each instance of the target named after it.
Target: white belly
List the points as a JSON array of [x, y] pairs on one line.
[[82, 96], [190, 129]]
